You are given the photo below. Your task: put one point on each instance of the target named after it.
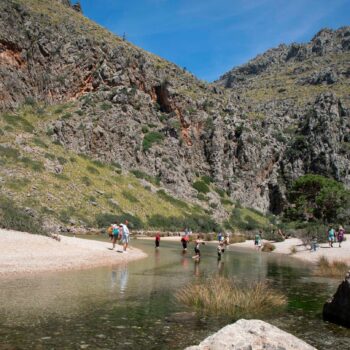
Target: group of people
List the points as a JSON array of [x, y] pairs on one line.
[[119, 233], [335, 236]]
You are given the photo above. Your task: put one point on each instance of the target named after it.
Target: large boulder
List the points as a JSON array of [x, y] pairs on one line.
[[252, 335], [337, 309]]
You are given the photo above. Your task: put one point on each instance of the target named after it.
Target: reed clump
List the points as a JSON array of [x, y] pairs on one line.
[[268, 247], [335, 268], [221, 296]]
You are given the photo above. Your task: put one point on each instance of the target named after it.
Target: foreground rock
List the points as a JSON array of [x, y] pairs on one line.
[[337, 309], [252, 335]]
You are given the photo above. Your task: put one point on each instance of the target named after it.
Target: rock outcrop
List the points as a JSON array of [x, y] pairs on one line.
[[337, 309], [253, 335], [144, 113]]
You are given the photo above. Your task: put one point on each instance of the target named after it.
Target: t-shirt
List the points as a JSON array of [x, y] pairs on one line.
[[331, 233], [125, 230]]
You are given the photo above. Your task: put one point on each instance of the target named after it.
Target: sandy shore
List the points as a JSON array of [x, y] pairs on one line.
[[27, 253], [305, 254]]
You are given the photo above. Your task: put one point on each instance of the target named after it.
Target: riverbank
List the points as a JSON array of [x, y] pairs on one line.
[[24, 253], [304, 253]]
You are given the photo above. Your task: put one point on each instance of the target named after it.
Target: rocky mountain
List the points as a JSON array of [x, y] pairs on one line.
[[240, 140]]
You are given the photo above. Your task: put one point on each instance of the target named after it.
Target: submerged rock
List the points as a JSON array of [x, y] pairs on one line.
[[252, 335], [337, 309]]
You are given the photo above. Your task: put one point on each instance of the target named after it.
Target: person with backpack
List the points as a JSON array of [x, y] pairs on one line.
[[115, 234], [340, 236], [331, 236], [125, 235]]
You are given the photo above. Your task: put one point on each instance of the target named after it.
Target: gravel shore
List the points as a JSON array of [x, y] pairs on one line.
[[27, 253]]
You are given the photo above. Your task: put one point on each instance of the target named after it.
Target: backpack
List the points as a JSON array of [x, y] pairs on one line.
[[110, 230]]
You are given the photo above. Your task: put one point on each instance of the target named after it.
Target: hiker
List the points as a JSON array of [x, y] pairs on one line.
[[340, 235], [331, 236], [196, 248], [313, 243], [115, 234], [219, 237], [125, 235], [157, 241], [220, 250], [184, 241], [227, 239], [257, 240]]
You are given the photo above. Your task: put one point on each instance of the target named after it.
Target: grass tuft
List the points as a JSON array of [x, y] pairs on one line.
[[335, 268], [221, 296]]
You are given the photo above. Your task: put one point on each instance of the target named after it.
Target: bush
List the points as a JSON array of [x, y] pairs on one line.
[[86, 181], [201, 186], [35, 165], [207, 179], [176, 202], [335, 268], [141, 175], [220, 192], [221, 296], [130, 197], [268, 247], [150, 139], [92, 170], [105, 219], [15, 218]]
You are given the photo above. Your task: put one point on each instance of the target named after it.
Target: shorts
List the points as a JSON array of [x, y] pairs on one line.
[[125, 238], [197, 251], [331, 239], [157, 243], [184, 244]]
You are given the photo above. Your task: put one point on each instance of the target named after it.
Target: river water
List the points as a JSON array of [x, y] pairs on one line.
[[133, 306]]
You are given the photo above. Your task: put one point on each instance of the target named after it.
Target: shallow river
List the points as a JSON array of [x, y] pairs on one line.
[[133, 306]]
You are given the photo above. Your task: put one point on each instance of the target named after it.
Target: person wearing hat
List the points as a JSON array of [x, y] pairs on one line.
[[125, 236]]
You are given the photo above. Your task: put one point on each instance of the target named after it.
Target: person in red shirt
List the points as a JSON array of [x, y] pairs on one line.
[[157, 240]]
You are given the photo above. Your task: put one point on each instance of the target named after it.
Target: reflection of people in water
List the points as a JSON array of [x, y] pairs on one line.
[[123, 278], [156, 257], [113, 279], [196, 268], [184, 260], [220, 267]]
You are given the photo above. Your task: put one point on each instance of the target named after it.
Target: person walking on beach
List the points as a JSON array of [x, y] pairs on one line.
[[115, 234], [331, 236], [125, 235], [340, 236], [157, 241], [257, 240]]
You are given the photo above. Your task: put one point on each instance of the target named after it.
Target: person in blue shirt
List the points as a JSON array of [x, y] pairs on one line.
[[331, 236]]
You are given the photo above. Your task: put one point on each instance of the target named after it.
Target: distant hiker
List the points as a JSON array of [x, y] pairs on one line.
[[220, 250], [331, 236], [313, 243], [157, 241], [340, 236], [219, 236], [184, 241], [115, 234], [125, 235], [257, 240], [227, 239], [196, 248]]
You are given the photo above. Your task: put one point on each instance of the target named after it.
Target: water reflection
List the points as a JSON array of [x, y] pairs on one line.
[[136, 301]]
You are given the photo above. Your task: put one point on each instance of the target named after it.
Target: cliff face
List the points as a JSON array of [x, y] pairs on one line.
[[147, 114]]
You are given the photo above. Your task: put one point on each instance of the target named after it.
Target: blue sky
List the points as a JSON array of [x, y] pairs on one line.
[[209, 37]]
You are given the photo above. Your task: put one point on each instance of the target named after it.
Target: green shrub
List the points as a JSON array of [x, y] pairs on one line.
[[174, 201], [226, 201], [9, 152], [62, 160], [141, 175], [130, 197], [145, 129], [105, 219], [201, 186], [49, 156], [220, 192], [38, 142], [202, 197], [15, 218], [105, 106], [150, 139], [207, 179], [92, 170], [35, 165], [86, 181]]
